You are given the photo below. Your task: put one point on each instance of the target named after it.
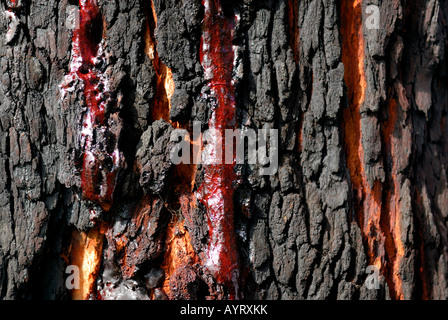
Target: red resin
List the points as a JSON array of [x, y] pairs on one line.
[[12, 4], [217, 58], [97, 181], [86, 47]]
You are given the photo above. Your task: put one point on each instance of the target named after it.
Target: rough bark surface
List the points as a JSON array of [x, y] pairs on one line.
[[363, 157]]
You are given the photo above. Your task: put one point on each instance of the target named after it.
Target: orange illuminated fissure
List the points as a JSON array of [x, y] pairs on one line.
[[379, 222], [367, 200], [165, 84], [179, 253], [392, 227], [85, 253]]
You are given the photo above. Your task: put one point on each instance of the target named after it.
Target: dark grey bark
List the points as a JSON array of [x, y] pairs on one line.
[[299, 232]]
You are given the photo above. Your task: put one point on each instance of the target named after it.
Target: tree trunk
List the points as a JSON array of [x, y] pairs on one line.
[[87, 113]]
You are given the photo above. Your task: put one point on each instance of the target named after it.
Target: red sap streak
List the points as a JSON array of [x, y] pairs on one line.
[[217, 58], [85, 46], [12, 4], [99, 168]]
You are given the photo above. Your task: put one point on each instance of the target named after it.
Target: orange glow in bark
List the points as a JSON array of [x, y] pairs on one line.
[[380, 222], [165, 84], [394, 245], [367, 200], [179, 251], [85, 253], [353, 59]]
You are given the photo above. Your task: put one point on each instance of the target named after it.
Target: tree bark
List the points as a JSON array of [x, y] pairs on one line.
[[86, 177]]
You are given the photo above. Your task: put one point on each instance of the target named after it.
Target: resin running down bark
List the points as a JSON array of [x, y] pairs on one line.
[[100, 129], [216, 193]]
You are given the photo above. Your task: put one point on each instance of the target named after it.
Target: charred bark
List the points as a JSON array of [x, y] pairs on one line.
[[86, 177]]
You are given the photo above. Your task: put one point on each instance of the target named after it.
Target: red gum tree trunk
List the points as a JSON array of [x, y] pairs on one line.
[[86, 117]]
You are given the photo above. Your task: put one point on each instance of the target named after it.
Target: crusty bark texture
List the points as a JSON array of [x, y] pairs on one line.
[[363, 150]]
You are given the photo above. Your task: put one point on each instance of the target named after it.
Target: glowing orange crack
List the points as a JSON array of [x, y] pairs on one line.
[[368, 201], [165, 84], [395, 249], [179, 252], [85, 253]]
